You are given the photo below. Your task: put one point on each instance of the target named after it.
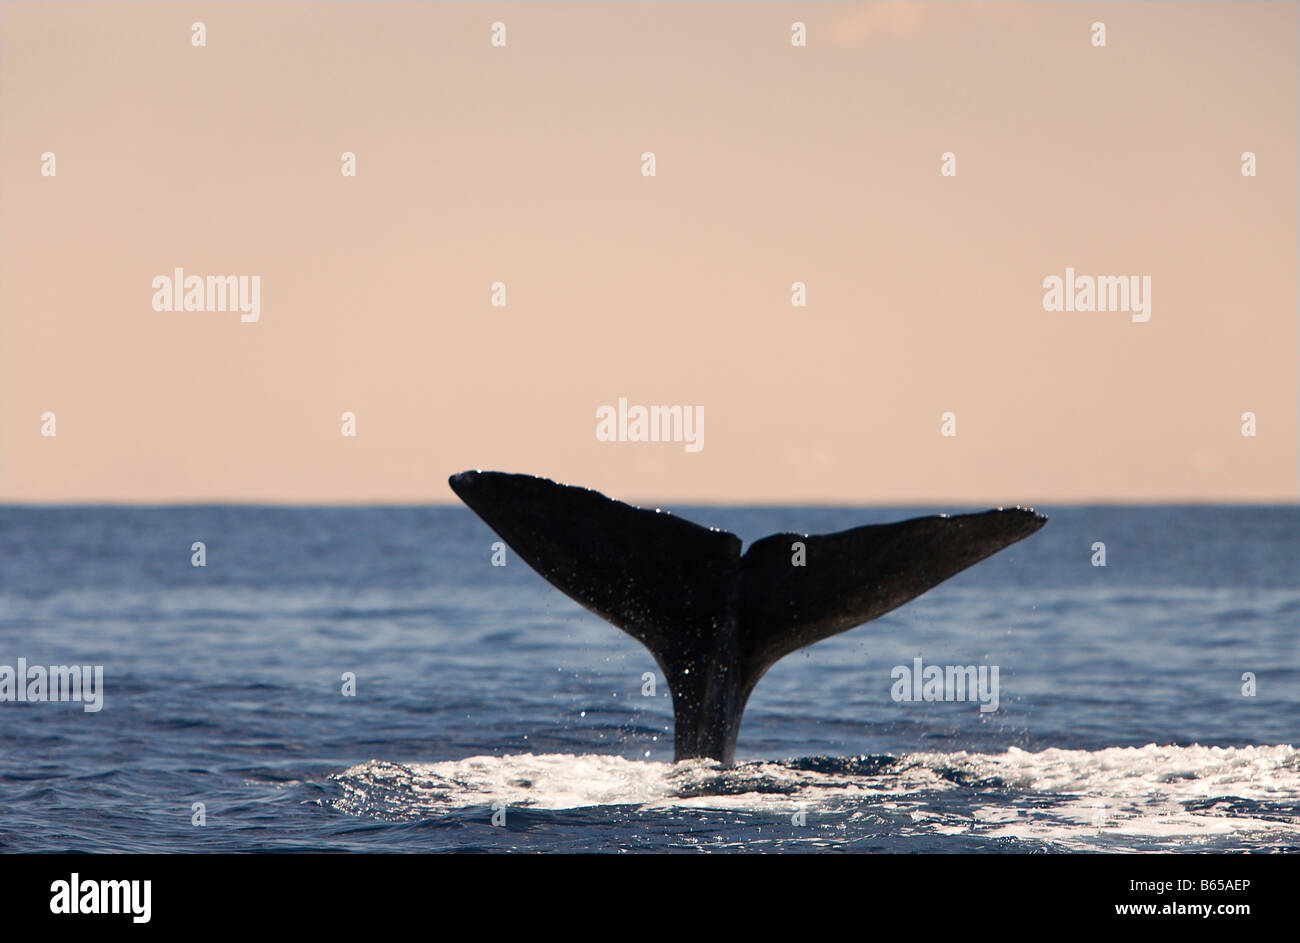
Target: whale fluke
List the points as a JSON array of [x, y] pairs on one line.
[[715, 620]]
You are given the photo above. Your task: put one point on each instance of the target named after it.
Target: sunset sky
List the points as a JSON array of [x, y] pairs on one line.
[[775, 164]]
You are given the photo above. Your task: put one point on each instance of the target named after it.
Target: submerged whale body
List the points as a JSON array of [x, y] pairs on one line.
[[715, 620]]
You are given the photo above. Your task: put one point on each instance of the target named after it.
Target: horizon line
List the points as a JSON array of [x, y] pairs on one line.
[[658, 502]]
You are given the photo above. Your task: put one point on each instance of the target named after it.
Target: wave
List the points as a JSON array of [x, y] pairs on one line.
[[1120, 798]]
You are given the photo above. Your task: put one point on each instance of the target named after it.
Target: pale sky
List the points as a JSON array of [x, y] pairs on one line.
[[775, 164]]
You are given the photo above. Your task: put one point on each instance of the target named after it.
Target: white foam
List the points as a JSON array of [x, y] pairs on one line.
[[1093, 798], [1138, 792]]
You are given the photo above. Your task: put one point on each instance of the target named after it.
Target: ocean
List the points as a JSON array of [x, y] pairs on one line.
[[1152, 704]]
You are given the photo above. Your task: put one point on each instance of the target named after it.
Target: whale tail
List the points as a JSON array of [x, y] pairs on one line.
[[715, 620]]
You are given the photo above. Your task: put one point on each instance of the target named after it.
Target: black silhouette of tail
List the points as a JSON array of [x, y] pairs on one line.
[[715, 620]]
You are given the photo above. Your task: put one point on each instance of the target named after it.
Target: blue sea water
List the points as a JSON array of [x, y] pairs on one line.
[[1122, 722]]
